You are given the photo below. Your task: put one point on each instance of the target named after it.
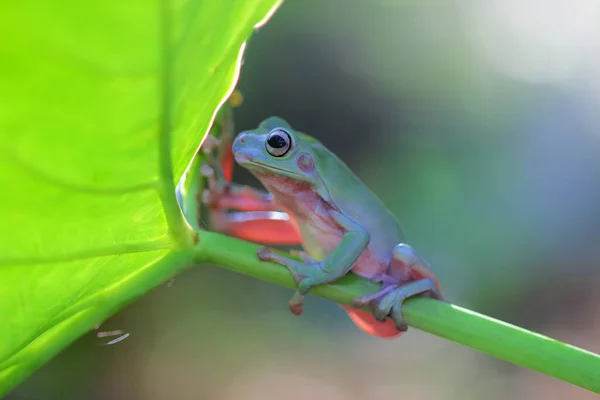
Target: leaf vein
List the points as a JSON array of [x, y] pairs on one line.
[[122, 248]]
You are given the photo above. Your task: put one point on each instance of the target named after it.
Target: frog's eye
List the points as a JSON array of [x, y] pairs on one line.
[[278, 142]]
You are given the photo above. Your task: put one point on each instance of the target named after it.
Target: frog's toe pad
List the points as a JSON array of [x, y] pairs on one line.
[[400, 324], [210, 143], [264, 253], [358, 302], [206, 196], [373, 300], [296, 304], [206, 171]]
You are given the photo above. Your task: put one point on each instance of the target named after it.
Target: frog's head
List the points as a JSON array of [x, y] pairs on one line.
[[275, 149]]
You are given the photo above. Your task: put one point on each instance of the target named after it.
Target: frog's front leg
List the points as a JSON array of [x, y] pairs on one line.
[[389, 300], [311, 272]]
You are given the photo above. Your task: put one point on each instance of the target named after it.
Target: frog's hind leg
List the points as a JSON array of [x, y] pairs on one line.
[[417, 280], [265, 227], [405, 258], [253, 217]]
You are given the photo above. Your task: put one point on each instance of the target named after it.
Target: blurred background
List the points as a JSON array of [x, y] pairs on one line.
[[477, 124]]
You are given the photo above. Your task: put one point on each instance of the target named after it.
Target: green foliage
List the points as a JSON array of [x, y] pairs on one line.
[[102, 106]]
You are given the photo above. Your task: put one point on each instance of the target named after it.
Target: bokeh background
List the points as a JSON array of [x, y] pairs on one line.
[[477, 123]]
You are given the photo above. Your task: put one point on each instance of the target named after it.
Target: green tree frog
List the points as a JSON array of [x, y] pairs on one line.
[[314, 199]]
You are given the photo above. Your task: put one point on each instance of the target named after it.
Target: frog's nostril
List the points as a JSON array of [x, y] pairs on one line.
[[239, 143]]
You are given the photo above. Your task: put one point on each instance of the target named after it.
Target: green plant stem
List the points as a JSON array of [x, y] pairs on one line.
[[480, 332]]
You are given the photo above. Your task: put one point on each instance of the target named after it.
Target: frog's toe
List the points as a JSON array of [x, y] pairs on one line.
[[304, 284], [371, 300], [303, 256], [411, 289], [359, 302], [206, 197], [306, 275], [384, 306], [206, 171], [296, 303], [210, 143], [298, 270], [389, 300], [264, 253], [399, 320]]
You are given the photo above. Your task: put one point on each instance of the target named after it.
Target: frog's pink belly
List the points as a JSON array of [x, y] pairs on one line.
[[320, 242], [369, 264]]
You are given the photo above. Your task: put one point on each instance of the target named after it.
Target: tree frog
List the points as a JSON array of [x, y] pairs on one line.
[[314, 199]]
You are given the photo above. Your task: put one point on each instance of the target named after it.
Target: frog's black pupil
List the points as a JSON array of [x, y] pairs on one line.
[[276, 141]]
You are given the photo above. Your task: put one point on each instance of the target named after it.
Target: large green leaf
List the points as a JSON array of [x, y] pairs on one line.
[[102, 106]]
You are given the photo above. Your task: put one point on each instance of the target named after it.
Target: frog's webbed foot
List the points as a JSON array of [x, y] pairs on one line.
[[244, 212], [389, 300], [306, 274]]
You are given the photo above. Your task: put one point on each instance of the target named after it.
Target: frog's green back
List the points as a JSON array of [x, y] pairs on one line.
[[352, 196]]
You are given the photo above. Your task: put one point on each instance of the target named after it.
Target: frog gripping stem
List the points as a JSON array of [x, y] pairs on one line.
[[314, 199], [418, 280]]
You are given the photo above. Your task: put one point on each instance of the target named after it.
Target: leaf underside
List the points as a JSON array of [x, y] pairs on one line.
[[103, 105]]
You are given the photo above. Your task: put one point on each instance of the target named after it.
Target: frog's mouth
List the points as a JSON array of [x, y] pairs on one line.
[[280, 171], [252, 164], [242, 158]]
